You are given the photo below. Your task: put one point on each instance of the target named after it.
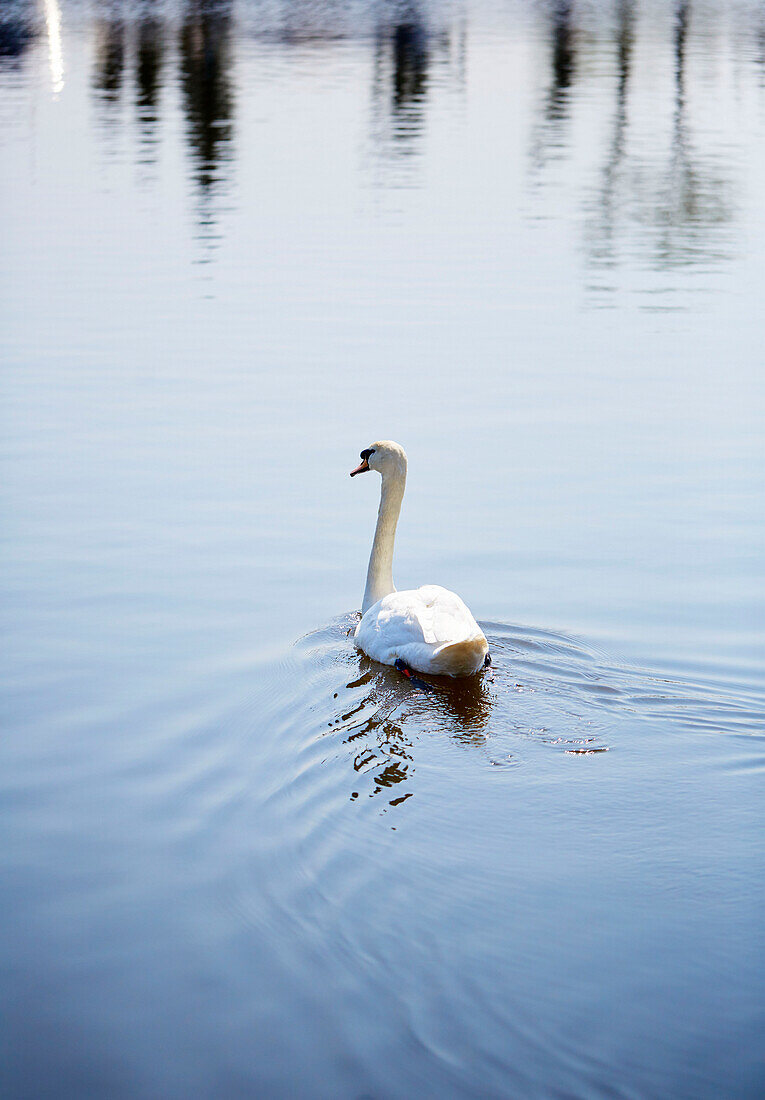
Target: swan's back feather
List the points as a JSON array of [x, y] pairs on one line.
[[430, 628]]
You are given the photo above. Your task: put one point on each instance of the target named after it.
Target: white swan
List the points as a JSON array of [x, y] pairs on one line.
[[430, 629]]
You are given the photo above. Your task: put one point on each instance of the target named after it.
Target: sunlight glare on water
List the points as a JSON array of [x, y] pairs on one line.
[[241, 241]]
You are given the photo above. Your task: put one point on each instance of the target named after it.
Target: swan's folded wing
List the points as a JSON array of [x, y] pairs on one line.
[[431, 616], [430, 628], [397, 619], [447, 617]]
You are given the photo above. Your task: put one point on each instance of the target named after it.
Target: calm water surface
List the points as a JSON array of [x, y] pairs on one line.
[[241, 241]]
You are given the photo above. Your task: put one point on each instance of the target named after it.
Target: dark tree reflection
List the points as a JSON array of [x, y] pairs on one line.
[[410, 66], [550, 133], [148, 69], [563, 58], [408, 51], [205, 61], [18, 29], [109, 61], [205, 73], [149, 62], [400, 79], [133, 41]]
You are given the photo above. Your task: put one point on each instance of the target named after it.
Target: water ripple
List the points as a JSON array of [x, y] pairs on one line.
[[363, 728]]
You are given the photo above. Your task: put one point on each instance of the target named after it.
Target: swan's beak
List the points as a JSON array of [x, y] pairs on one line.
[[362, 468]]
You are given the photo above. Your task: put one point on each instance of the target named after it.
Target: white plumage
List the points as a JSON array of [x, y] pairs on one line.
[[428, 628]]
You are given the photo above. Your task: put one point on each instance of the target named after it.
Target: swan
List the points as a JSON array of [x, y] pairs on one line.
[[428, 629]]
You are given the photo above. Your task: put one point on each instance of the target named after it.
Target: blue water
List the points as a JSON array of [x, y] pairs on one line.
[[240, 242]]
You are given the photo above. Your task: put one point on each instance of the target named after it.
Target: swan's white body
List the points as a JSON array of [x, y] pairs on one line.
[[430, 629]]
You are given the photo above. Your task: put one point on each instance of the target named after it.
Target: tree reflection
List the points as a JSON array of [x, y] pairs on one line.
[[109, 58], [129, 40], [406, 50], [670, 207], [205, 61], [150, 52], [205, 70], [692, 199], [602, 246], [673, 206], [410, 71], [555, 107], [563, 59], [400, 81], [18, 29]]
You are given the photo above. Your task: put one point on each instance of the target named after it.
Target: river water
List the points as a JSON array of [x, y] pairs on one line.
[[241, 241]]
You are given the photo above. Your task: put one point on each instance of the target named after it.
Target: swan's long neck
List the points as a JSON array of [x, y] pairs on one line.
[[380, 571]]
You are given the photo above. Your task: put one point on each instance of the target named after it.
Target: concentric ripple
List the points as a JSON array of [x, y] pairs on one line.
[[545, 692]]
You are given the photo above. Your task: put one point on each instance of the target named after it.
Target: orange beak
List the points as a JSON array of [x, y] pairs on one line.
[[362, 468]]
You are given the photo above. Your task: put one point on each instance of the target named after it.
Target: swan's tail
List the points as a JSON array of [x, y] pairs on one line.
[[460, 658]]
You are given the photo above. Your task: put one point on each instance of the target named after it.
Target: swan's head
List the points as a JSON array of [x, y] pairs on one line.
[[385, 456]]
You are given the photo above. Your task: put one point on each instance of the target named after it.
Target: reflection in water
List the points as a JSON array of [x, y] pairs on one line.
[[379, 744], [148, 70], [609, 202], [406, 50], [205, 61], [692, 200], [109, 62], [400, 83], [672, 210], [550, 134], [375, 726], [206, 82], [305, 23], [544, 691], [149, 61], [55, 53], [563, 58], [17, 29], [410, 73], [205, 64], [675, 208]]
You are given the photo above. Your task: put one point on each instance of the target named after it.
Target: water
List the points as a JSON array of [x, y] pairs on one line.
[[241, 242]]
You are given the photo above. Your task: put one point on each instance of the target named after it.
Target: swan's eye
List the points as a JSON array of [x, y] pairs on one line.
[[366, 454]]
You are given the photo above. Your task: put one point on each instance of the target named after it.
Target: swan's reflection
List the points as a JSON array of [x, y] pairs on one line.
[[377, 726], [544, 690]]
